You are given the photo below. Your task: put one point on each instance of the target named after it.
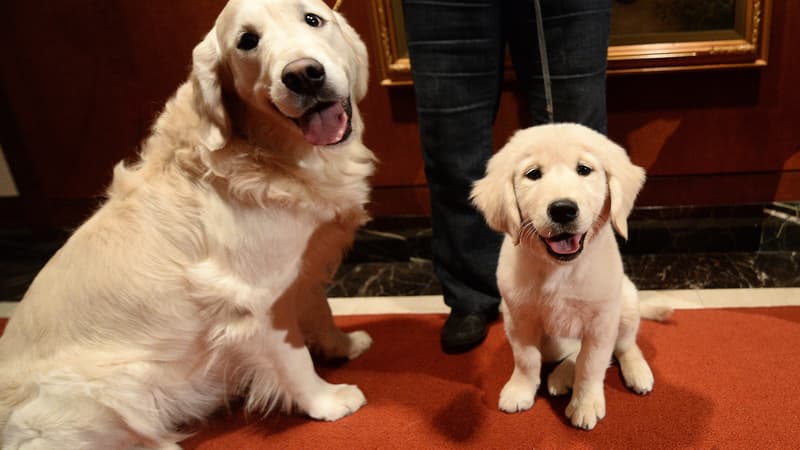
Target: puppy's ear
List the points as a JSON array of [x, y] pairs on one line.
[[625, 180], [360, 78], [206, 67], [495, 196]]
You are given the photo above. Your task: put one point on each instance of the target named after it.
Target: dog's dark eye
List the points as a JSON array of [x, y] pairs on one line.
[[248, 41], [533, 174], [583, 170], [314, 20]]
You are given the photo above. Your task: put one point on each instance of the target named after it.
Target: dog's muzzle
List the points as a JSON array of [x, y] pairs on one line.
[[328, 121]]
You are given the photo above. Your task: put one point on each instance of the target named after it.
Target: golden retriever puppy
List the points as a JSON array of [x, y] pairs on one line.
[[202, 276], [556, 191]]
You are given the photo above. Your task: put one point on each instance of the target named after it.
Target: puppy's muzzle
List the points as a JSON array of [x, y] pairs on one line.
[[564, 246]]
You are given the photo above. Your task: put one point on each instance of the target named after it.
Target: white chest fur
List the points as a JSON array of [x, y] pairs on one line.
[[563, 300]]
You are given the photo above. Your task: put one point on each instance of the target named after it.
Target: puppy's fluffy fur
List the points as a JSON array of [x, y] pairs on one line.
[[556, 191], [202, 276]]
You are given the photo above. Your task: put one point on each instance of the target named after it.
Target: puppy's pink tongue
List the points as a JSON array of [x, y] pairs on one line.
[[326, 126], [565, 245]]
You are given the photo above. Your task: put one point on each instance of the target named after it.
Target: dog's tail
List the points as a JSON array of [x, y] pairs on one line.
[[654, 312]]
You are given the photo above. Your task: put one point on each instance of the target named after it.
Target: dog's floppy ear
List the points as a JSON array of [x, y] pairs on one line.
[[495, 196], [361, 76], [625, 180], [206, 66]]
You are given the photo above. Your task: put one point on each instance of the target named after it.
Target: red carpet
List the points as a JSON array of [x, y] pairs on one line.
[[724, 379]]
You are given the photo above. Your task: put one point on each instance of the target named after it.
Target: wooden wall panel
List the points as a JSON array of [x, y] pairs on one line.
[[82, 81]]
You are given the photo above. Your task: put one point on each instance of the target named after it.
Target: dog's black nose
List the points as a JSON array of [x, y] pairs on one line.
[[563, 211], [304, 76]]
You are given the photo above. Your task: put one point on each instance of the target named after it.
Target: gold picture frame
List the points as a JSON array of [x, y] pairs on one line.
[[737, 37]]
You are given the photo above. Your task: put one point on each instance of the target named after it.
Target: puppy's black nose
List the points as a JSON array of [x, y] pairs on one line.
[[304, 76], [563, 211]]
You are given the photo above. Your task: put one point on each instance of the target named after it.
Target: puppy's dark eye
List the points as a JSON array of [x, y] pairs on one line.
[[533, 174], [314, 20], [583, 170], [248, 41]]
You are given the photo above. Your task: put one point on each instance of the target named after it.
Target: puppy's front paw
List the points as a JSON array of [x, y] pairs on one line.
[[586, 410], [517, 395], [360, 342], [169, 446], [335, 402], [561, 378]]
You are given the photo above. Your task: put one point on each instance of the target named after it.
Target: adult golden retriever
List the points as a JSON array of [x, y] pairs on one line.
[[202, 276], [556, 191]]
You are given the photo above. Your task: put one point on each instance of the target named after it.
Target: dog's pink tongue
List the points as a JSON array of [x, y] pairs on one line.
[[326, 126], [565, 245]]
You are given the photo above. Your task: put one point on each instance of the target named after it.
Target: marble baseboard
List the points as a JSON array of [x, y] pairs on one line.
[[377, 279], [647, 271], [714, 270], [748, 229], [750, 246]]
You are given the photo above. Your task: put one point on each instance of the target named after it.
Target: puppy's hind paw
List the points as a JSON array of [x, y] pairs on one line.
[[561, 378]]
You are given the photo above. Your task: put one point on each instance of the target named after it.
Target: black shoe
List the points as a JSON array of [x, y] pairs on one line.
[[462, 332]]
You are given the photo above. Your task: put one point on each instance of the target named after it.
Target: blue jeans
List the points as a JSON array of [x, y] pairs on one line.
[[457, 49]]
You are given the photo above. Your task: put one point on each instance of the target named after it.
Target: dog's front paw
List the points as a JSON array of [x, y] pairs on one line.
[[339, 345], [561, 378], [360, 342], [587, 409], [517, 395], [335, 402], [169, 446]]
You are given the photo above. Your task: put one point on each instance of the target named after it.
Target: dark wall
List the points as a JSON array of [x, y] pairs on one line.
[[80, 84], [82, 80]]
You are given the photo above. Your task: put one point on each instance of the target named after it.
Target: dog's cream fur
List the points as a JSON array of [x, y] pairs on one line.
[[202, 276], [581, 310]]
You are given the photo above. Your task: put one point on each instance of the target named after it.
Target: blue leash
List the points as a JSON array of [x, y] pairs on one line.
[[548, 94]]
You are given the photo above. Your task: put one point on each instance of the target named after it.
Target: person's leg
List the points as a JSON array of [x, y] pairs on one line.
[[456, 52], [576, 35]]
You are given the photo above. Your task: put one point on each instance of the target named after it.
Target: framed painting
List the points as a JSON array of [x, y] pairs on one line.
[[646, 36]]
